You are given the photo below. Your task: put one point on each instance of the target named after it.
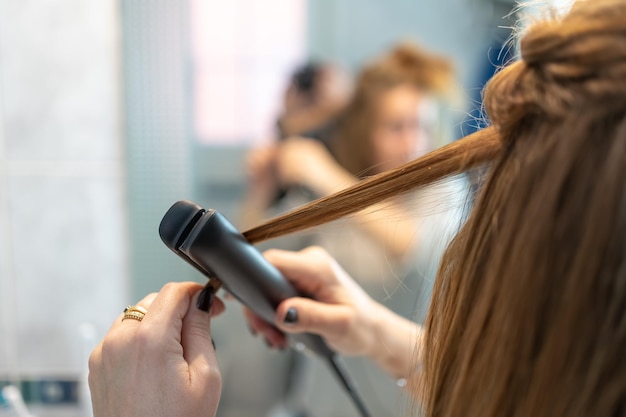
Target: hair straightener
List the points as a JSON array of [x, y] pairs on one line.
[[211, 244]]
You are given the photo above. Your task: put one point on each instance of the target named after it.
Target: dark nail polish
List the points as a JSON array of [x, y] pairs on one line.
[[205, 299], [213, 343], [291, 317]]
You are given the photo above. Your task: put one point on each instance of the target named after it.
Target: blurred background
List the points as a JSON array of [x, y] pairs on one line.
[[110, 111]]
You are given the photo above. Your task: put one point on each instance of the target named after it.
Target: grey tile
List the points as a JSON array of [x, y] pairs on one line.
[[59, 80], [69, 266]]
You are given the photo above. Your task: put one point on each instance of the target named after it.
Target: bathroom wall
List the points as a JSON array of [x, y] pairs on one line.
[[63, 251]]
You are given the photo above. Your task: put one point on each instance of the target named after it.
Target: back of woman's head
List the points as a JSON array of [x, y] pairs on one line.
[[405, 65], [528, 316]]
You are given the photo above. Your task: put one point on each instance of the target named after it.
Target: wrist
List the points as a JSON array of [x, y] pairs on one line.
[[395, 343]]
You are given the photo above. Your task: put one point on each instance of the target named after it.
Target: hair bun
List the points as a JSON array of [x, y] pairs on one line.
[[567, 65], [586, 42]]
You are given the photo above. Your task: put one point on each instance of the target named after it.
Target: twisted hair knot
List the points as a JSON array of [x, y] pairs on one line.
[[576, 64]]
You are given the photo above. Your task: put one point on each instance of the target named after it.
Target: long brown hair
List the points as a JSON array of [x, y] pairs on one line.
[[457, 157], [528, 316]]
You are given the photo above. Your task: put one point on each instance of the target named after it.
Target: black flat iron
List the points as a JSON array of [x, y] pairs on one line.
[[210, 243]]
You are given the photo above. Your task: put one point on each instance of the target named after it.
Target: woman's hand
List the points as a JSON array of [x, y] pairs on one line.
[[340, 311], [163, 365]]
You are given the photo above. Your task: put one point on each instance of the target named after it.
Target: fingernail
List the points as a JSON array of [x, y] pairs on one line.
[[213, 343], [291, 317], [254, 333], [205, 299]]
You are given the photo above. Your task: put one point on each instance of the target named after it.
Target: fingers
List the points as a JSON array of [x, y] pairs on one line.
[[310, 270], [169, 351], [297, 315], [196, 340], [217, 308], [272, 336], [331, 312], [171, 303], [144, 303], [119, 336], [172, 314]]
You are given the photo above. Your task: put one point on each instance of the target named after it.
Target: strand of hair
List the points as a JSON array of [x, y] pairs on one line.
[[473, 150]]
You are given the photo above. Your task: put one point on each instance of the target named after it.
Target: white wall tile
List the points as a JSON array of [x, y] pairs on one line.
[[63, 253], [59, 86], [70, 266]]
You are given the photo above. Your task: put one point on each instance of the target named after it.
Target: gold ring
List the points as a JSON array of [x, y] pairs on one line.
[[134, 312]]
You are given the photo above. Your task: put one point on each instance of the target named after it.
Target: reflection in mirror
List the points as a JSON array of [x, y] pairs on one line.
[[239, 87]]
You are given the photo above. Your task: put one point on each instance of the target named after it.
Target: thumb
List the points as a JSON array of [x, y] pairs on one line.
[[296, 315], [198, 347]]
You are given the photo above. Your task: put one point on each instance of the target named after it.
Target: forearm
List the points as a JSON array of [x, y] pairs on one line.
[[397, 343], [387, 222]]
